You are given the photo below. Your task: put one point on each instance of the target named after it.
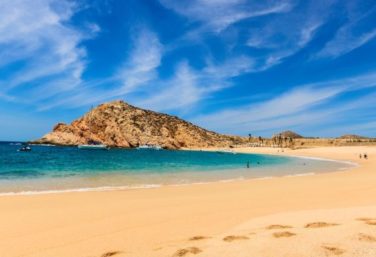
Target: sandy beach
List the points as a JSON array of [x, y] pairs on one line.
[[331, 214]]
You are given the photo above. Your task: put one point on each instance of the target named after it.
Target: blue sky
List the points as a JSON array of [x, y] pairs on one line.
[[233, 66]]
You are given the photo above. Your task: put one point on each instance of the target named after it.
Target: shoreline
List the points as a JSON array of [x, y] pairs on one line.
[[351, 165], [161, 221]]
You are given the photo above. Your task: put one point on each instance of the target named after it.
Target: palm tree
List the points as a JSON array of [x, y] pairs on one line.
[[291, 142]]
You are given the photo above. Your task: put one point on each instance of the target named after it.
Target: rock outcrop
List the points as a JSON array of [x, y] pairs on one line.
[[288, 134], [119, 124]]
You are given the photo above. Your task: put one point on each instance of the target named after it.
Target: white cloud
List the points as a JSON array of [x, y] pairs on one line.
[[94, 28], [138, 80], [352, 35], [291, 108], [37, 34], [145, 58], [189, 86], [286, 34], [217, 15], [180, 91], [307, 33], [138, 71], [345, 41], [293, 42], [289, 103], [55, 59], [231, 67]]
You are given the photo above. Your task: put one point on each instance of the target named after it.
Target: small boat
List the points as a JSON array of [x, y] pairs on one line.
[[153, 147], [93, 147], [24, 149], [15, 143], [225, 151]]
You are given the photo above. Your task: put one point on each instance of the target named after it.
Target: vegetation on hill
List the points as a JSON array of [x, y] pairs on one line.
[[119, 124]]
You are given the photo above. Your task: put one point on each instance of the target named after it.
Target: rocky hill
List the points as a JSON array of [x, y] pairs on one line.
[[350, 136], [119, 124], [288, 134]]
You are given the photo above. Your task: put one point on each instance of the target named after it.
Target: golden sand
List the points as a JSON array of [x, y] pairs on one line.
[[163, 221]]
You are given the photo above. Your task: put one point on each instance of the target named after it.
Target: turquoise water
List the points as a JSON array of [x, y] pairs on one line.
[[65, 168]]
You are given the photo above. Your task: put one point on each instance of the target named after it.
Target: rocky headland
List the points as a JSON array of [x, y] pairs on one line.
[[118, 124]]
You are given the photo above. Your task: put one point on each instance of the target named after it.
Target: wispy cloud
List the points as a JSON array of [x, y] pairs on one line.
[[231, 67], [180, 91], [189, 86], [36, 36], [217, 15], [138, 79], [285, 35], [51, 57], [138, 71], [352, 35], [294, 107], [140, 67]]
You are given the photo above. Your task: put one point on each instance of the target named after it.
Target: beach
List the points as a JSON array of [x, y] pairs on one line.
[[330, 214]]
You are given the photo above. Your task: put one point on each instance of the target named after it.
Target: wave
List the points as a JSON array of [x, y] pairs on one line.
[[119, 188], [301, 174], [77, 190], [15, 143], [354, 164]]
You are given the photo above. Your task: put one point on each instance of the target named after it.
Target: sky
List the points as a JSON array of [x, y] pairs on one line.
[[232, 66]]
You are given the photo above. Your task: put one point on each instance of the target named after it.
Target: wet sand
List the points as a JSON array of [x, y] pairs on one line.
[[332, 214]]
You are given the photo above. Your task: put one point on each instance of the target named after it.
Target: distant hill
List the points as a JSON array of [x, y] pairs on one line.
[[119, 124], [288, 133], [351, 136]]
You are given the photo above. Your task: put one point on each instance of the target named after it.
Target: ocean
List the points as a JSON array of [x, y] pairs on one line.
[[60, 169]]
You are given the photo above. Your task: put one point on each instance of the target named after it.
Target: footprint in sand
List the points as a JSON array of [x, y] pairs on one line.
[[277, 226], [371, 222], [283, 234], [320, 225], [109, 254], [366, 238], [365, 219], [333, 250], [188, 250], [368, 221], [197, 238], [234, 238]]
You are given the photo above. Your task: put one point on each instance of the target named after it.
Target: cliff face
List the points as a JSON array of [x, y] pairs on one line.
[[119, 124]]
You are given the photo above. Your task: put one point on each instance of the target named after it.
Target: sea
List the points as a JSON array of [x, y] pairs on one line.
[[54, 169]]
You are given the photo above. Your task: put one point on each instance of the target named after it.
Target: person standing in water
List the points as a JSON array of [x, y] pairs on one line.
[[248, 164]]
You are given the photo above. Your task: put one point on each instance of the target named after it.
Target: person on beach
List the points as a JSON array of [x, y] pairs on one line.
[[248, 165], [365, 156]]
